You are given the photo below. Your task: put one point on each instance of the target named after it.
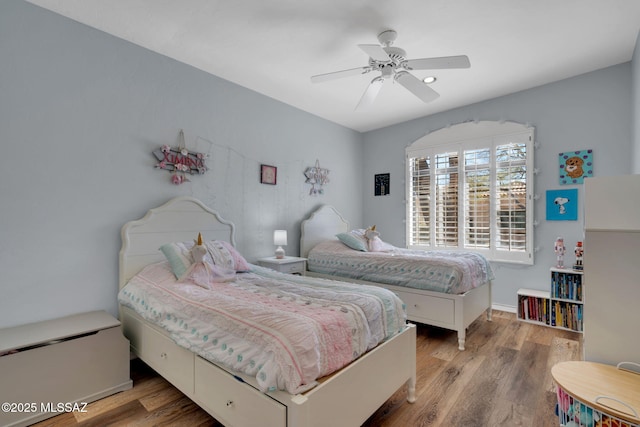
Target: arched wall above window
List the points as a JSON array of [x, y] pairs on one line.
[[468, 130]]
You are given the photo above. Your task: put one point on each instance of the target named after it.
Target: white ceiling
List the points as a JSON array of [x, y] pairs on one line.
[[274, 46]]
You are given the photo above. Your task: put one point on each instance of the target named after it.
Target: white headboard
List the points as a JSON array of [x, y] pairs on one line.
[[323, 224], [178, 220]]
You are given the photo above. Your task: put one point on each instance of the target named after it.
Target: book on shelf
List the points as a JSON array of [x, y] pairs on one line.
[[566, 285]]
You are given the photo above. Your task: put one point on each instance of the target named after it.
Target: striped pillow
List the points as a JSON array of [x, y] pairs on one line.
[[354, 239]]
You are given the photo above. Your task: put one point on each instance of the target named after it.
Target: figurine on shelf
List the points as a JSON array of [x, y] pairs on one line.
[[579, 251], [559, 250]]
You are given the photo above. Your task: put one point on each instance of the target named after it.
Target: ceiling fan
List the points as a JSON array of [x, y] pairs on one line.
[[392, 63]]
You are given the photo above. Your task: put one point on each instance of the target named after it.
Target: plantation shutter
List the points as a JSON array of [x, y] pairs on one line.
[[511, 196], [473, 194], [477, 198], [420, 200], [446, 200]]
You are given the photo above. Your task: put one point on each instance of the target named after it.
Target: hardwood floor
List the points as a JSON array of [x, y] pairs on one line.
[[503, 378]]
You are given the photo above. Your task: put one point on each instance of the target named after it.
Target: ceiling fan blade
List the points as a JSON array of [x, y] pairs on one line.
[[370, 94], [339, 74], [461, 61], [416, 86], [375, 52]]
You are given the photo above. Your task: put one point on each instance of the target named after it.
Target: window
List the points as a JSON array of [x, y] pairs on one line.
[[470, 187]]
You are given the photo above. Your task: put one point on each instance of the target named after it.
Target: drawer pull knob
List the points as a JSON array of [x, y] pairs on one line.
[[163, 355], [229, 403]]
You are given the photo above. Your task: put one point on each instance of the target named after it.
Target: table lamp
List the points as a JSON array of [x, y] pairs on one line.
[[280, 240]]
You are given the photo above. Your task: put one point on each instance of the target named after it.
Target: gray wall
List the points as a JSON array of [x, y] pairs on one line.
[[80, 114], [588, 111]]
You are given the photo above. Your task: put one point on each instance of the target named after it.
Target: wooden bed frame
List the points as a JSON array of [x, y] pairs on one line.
[[449, 311], [345, 398]]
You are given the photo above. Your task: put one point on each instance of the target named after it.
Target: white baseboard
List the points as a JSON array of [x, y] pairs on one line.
[[507, 308]]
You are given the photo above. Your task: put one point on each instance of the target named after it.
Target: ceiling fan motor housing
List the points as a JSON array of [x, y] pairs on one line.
[[396, 57]]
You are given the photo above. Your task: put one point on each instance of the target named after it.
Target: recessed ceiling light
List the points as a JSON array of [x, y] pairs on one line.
[[429, 79]]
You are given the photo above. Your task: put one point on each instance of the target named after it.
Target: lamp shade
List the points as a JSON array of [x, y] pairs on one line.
[[280, 237], [280, 240]]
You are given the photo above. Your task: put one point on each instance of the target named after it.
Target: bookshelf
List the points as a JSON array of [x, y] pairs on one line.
[[559, 307]]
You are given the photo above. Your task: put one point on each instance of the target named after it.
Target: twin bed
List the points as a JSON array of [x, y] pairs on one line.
[[253, 346], [447, 289], [344, 350]]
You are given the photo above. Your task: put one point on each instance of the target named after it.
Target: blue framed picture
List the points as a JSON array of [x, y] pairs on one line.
[[562, 205], [575, 166]]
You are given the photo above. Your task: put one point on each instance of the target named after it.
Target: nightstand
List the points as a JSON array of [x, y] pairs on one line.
[[288, 264]]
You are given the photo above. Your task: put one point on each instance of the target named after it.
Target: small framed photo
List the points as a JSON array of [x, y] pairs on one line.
[[268, 174], [381, 184]]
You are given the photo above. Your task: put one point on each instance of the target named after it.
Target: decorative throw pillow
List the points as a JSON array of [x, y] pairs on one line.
[[179, 256], [354, 239]]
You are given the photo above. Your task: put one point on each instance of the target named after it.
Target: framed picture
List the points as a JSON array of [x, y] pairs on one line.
[[268, 174], [562, 205], [381, 184], [575, 166]]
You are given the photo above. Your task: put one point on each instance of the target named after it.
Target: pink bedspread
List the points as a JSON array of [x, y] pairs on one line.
[[285, 330]]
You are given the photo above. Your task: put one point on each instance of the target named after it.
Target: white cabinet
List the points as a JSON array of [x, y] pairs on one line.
[[74, 359], [612, 269]]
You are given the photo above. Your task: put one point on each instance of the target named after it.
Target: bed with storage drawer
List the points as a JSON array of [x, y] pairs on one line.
[[447, 289], [214, 358]]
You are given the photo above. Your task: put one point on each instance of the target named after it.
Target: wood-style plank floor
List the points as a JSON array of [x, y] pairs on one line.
[[503, 378]]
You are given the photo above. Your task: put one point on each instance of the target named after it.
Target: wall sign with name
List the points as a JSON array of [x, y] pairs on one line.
[[180, 161]]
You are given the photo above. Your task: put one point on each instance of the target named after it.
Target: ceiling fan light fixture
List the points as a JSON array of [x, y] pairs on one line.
[[391, 63]]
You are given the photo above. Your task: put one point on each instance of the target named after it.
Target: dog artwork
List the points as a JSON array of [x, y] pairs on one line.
[[560, 202], [575, 166], [562, 205]]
